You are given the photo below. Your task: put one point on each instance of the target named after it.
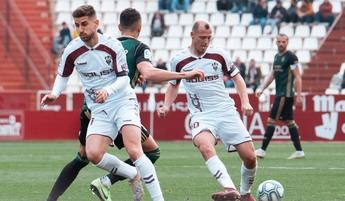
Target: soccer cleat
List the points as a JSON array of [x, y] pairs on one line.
[[247, 197], [100, 190], [229, 194], [137, 188], [297, 155], [260, 153]]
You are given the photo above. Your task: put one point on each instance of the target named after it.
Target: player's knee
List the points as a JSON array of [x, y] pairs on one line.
[[153, 155], [271, 122], [291, 123], [206, 150], [134, 152], [250, 161], [94, 155]]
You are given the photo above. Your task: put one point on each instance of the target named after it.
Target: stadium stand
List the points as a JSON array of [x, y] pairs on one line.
[[319, 49]]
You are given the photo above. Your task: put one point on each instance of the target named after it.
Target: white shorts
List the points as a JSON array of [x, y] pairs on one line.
[[113, 116], [226, 125]]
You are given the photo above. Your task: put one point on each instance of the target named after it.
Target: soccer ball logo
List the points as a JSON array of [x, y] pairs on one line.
[[270, 190]]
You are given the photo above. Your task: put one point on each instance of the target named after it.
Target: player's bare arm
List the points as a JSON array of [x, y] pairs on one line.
[[154, 74], [298, 86], [240, 85], [170, 96], [269, 79], [48, 99]]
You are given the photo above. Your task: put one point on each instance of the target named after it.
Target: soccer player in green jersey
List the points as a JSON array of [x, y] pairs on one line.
[[139, 64], [288, 81]]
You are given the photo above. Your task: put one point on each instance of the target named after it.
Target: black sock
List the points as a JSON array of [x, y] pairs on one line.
[[67, 176], [267, 137], [295, 138]]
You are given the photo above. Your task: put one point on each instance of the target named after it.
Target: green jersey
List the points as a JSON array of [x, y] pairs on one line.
[[283, 67], [136, 52]]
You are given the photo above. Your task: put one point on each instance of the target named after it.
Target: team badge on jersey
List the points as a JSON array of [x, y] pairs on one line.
[[147, 54], [215, 66], [108, 59]]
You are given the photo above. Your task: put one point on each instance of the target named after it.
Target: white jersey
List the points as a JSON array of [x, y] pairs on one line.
[[208, 95], [98, 66]]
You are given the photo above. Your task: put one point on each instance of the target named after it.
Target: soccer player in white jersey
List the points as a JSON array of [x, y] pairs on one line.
[[213, 112], [101, 64]]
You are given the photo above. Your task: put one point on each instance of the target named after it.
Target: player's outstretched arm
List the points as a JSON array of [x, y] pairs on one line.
[[241, 88], [170, 96], [154, 74], [59, 85]]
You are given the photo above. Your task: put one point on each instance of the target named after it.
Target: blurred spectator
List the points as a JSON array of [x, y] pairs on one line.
[[241, 67], [161, 64], [65, 35], [157, 24], [179, 5], [254, 75], [224, 5], [228, 82], [164, 4], [278, 15], [292, 12], [240, 6], [305, 12], [325, 13], [260, 13]]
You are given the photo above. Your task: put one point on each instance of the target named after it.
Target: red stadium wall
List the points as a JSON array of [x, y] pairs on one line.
[[321, 118]]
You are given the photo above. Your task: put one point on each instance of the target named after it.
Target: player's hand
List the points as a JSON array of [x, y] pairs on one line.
[[299, 100], [247, 109], [101, 96], [200, 75], [258, 92], [48, 99], [141, 80], [162, 111]]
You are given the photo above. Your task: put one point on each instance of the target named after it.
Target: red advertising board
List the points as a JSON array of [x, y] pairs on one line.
[[321, 118]]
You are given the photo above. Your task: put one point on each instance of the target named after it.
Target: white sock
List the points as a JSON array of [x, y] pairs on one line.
[[247, 179], [114, 165], [218, 170], [105, 181], [149, 177]]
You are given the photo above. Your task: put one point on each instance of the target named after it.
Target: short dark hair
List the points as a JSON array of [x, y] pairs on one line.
[[84, 10], [282, 35], [129, 17]]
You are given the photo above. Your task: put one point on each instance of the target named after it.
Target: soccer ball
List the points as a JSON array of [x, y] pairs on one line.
[[270, 190]]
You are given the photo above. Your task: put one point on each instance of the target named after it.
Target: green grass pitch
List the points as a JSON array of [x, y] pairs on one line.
[[29, 169]]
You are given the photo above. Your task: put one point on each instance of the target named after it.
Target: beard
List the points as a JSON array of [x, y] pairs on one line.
[[86, 38]]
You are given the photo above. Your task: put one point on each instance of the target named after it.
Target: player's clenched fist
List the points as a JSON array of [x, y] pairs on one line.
[[200, 75], [101, 96], [162, 111]]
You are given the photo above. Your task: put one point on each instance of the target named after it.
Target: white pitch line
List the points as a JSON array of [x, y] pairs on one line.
[[302, 168]]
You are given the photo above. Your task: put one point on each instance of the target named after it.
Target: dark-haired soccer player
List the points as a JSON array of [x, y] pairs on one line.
[[287, 76], [139, 63]]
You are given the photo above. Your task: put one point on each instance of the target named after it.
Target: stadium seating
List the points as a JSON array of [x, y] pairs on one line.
[[232, 31]]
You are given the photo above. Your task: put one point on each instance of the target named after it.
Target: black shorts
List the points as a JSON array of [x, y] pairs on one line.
[[84, 123], [282, 108]]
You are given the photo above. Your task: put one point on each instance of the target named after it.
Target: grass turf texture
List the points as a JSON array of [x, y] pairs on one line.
[[29, 169]]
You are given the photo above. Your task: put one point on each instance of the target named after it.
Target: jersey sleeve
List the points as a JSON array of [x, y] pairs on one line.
[[231, 68], [293, 61], [143, 53], [121, 62], [66, 64]]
